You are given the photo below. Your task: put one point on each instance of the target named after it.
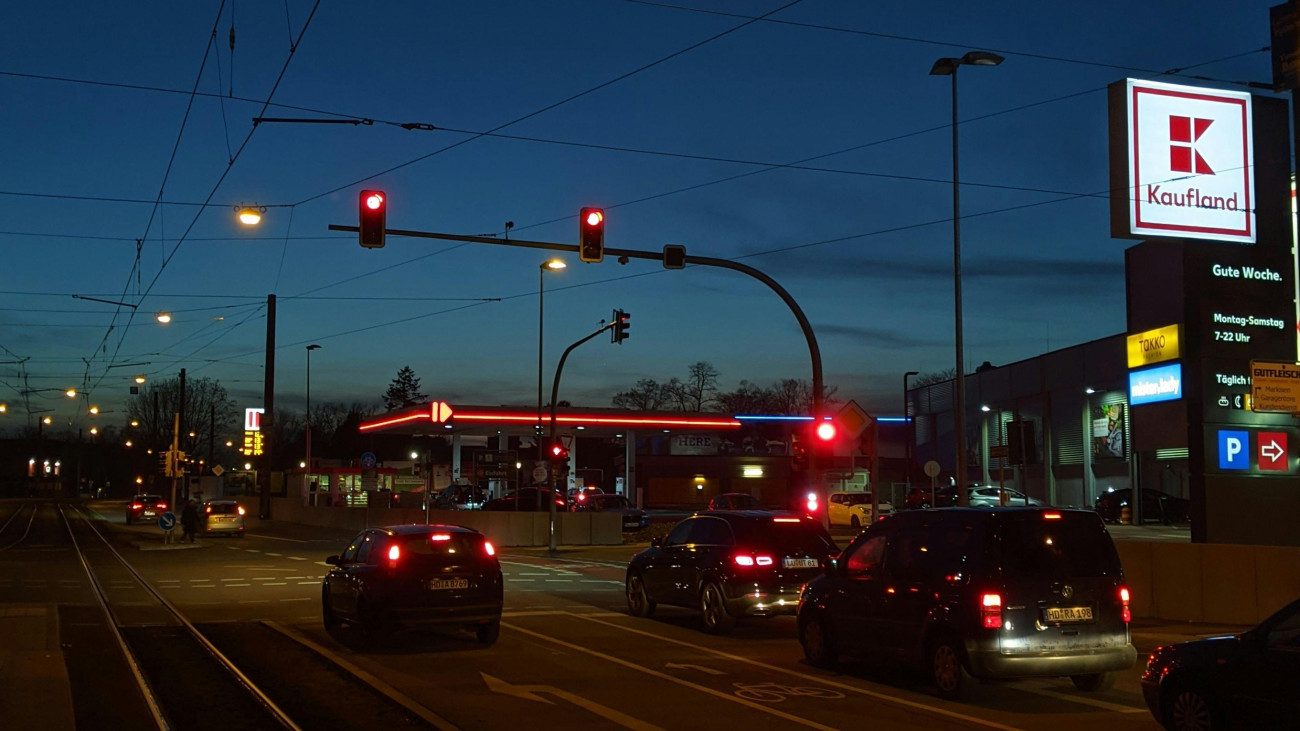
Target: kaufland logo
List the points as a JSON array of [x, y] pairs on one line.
[[1190, 162]]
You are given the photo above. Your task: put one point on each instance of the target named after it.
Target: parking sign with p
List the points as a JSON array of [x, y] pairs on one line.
[[1234, 450]]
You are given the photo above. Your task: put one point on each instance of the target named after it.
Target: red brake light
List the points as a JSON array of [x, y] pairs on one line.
[[763, 560], [1125, 613], [489, 549], [582, 496], [440, 537], [785, 520], [161, 506], [991, 610], [742, 560], [136, 506], [208, 509], [240, 509], [1051, 516], [394, 552]]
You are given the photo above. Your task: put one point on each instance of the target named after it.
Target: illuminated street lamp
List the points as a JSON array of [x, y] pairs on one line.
[[46, 420], [139, 379], [4, 408], [552, 265], [94, 410], [250, 215], [164, 317], [94, 430], [948, 67], [135, 422], [129, 443]]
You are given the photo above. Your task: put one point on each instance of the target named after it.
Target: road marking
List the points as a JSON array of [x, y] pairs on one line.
[[296, 558], [558, 581], [274, 554], [233, 548], [254, 601], [252, 550], [232, 579], [1050, 693], [701, 668], [813, 678], [516, 581], [297, 599], [204, 586], [531, 692], [300, 583], [230, 585], [276, 583], [664, 676], [277, 538], [264, 578]]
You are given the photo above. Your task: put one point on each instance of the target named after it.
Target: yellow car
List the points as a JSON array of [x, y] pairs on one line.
[[853, 508], [222, 516]]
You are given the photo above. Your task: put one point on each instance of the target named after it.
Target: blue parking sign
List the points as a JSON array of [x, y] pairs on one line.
[[1234, 450]]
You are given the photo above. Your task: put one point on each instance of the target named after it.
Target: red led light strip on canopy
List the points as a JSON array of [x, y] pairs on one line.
[[522, 418]]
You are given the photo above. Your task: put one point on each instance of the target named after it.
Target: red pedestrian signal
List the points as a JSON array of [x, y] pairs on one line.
[[373, 211], [591, 235], [559, 453], [826, 431]]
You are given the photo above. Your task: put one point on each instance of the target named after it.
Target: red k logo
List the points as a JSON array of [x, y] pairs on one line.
[[1183, 134]]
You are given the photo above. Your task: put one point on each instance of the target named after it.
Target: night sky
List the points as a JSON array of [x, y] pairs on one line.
[[811, 144]]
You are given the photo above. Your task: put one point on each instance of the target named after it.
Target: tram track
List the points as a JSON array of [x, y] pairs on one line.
[[241, 675]]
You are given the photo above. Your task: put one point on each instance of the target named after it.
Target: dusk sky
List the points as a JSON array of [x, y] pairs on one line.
[[670, 116]]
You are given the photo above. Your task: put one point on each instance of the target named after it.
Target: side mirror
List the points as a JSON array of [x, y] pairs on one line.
[[657, 542], [333, 560]]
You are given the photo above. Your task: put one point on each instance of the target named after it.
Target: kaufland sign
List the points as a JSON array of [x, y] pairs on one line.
[[1186, 167]]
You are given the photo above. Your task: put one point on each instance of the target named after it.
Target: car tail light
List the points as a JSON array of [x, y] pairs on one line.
[[208, 510], [1125, 613], [812, 502], [489, 549], [1051, 516], [582, 496], [785, 520], [136, 506], [440, 537], [240, 509], [394, 552], [161, 506], [748, 560], [763, 560], [991, 610], [742, 560]]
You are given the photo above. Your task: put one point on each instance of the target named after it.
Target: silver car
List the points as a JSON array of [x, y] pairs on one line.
[[222, 516], [986, 496]]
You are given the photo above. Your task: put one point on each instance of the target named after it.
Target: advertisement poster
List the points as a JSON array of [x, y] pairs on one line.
[[1108, 432]]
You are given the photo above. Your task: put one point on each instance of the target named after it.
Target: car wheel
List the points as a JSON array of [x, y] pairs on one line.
[[713, 610], [488, 632], [638, 602], [854, 522], [946, 670], [1094, 682], [1187, 708], [818, 645]]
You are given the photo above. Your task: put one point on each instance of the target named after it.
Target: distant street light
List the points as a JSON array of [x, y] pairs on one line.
[[139, 379], [552, 265], [250, 215], [164, 317], [948, 67]]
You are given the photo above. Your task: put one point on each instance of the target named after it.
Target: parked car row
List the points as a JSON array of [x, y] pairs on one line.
[[215, 516], [1157, 506]]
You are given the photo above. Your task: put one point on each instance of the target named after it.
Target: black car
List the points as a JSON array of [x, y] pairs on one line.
[[1157, 507], [145, 507], [993, 593], [729, 564], [528, 498], [633, 518], [919, 498], [1248, 681], [412, 575]]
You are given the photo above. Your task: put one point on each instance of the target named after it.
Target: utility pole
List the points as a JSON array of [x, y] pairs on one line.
[[173, 464], [268, 419], [180, 422]]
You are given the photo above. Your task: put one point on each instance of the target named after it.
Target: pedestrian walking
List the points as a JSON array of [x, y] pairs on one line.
[[189, 521]]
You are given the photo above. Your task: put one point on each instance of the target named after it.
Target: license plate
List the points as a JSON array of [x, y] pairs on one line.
[[148, 513], [1069, 614], [800, 563], [438, 584]]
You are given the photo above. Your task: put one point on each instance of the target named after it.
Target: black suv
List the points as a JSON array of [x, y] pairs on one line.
[[729, 564], [407, 575], [990, 592]]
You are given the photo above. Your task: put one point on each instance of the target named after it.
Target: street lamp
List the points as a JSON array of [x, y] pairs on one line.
[[307, 466], [948, 67], [553, 265], [910, 444]]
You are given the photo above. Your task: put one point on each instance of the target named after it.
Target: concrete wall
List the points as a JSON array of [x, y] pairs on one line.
[[504, 528], [1209, 582]]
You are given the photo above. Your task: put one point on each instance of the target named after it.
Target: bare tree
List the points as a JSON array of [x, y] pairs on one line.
[[933, 377], [699, 388], [206, 401], [647, 395]]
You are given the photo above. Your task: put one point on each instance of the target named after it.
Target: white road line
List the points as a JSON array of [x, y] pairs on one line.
[[296, 558], [291, 578], [230, 585], [300, 583], [232, 579], [234, 548], [277, 538], [275, 583], [558, 581], [252, 550], [274, 554], [1050, 693], [518, 581], [264, 578], [297, 599], [204, 586], [672, 679], [813, 678]]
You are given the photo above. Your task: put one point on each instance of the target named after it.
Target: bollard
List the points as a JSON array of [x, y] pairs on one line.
[[1126, 515]]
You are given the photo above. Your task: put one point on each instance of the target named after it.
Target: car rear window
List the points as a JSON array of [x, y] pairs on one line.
[[222, 508], [785, 538], [422, 547], [1075, 545]]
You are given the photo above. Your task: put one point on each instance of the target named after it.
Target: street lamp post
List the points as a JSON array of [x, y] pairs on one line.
[[910, 444], [948, 67], [553, 265], [306, 475]]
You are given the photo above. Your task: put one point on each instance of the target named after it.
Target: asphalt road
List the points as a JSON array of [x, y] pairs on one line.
[[569, 655]]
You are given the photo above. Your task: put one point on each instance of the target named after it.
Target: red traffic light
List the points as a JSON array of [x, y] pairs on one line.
[[594, 217], [591, 235], [826, 431], [374, 201], [372, 211]]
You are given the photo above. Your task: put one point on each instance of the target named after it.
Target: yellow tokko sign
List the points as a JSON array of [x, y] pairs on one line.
[[1153, 346]]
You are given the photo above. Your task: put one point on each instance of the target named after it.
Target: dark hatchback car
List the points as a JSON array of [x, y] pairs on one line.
[[729, 564], [145, 507], [994, 593], [1248, 681], [734, 501], [412, 575], [633, 518], [919, 498], [1157, 507], [528, 498]]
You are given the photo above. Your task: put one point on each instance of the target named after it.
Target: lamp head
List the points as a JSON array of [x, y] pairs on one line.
[[945, 66], [555, 264], [981, 58]]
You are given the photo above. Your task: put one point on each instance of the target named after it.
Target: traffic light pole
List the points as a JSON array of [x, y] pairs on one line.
[[555, 392]]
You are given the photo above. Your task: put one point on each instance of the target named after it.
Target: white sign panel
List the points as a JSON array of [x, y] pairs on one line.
[[253, 419], [1190, 163]]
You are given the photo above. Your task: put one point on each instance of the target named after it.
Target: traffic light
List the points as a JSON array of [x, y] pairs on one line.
[[622, 323], [373, 210], [826, 432], [559, 453], [591, 235]]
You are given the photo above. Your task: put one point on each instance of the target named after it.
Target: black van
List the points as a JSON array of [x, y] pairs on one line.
[[990, 592]]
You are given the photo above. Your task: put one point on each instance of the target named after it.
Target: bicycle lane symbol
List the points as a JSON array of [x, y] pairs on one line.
[[776, 693]]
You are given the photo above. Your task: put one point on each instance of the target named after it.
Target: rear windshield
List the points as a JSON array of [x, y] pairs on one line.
[[1076, 545], [222, 508], [424, 547], [785, 539]]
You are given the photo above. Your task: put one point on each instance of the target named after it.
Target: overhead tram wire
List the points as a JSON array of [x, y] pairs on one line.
[[562, 102], [217, 186]]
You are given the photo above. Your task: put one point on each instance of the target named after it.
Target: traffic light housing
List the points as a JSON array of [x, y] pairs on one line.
[[591, 235], [372, 211], [622, 323]]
